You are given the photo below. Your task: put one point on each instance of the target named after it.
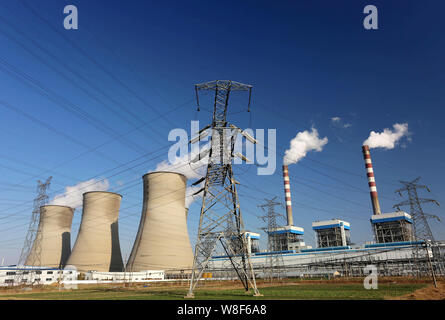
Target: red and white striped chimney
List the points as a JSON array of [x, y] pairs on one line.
[[371, 180], [290, 220]]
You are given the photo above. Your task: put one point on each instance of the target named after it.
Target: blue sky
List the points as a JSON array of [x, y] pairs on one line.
[[133, 64]]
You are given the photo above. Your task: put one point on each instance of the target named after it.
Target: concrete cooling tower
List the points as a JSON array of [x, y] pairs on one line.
[[162, 242], [97, 244], [53, 240]]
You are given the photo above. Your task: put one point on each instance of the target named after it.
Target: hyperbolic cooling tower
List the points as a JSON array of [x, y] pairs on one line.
[[162, 242], [97, 244], [53, 242]]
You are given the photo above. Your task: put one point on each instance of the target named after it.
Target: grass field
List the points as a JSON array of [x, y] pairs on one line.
[[287, 291]]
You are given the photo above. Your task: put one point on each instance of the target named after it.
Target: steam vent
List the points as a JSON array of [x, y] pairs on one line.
[[97, 245], [54, 237], [162, 241]]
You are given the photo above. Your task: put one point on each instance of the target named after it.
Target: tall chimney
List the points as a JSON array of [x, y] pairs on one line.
[[371, 180], [290, 220]]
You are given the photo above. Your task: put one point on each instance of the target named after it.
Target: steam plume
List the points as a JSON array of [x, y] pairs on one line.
[[388, 138], [72, 197], [303, 143]]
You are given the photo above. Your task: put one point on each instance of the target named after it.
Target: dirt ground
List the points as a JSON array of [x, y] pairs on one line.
[[428, 293]]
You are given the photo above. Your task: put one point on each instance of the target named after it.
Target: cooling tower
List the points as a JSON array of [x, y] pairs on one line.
[[97, 244], [287, 194], [52, 245], [162, 242], [371, 180]]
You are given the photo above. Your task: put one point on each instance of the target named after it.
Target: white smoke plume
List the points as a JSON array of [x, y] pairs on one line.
[[184, 165], [192, 170], [303, 143], [388, 138], [189, 197], [72, 197]]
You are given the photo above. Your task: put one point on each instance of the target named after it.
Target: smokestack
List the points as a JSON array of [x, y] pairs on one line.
[[53, 246], [97, 244], [290, 220], [371, 180], [162, 241]]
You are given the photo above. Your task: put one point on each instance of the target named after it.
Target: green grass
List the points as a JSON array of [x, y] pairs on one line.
[[286, 292]]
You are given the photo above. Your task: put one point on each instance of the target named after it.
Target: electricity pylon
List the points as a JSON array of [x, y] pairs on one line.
[[274, 260], [220, 220], [422, 230], [33, 237]]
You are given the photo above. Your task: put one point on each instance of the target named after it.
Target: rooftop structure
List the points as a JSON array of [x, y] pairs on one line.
[[392, 227], [332, 233], [287, 238]]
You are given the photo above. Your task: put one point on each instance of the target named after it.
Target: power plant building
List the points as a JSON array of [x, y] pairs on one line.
[[332, 233], [392, 227], [97, 245], [162, 241], [52, 244], [387, 227]]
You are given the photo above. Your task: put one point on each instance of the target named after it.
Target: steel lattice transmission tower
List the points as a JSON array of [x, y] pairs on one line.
[[220, 220], [33, 236], [274, 261], [422, 230]]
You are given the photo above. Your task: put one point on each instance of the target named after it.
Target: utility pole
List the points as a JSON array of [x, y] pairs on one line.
[[422, 230], [220, 220], [33, 237], [274, 260]]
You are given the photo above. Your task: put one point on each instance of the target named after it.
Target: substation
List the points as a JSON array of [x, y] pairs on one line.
[[162, 249]]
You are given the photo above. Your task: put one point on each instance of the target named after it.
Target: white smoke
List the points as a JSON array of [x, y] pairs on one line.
[[189, 197], [388, 138], [183, 164], [72, 197], [192, 170], [303, 143]]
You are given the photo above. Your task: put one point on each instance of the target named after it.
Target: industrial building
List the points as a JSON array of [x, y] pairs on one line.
[[332, 233], [97, 245], [394, 252], [30, 275], [125, 276], [392, 227], [395, 259], [253, 241], [387, 227], [162, 241], [52, 244]]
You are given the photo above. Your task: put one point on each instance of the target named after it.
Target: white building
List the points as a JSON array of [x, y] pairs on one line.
[[15, 275], [125, 276]]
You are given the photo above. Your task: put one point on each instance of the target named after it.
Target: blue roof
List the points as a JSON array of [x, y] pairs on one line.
[[391, 219], [286, 231], [328, 226]]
